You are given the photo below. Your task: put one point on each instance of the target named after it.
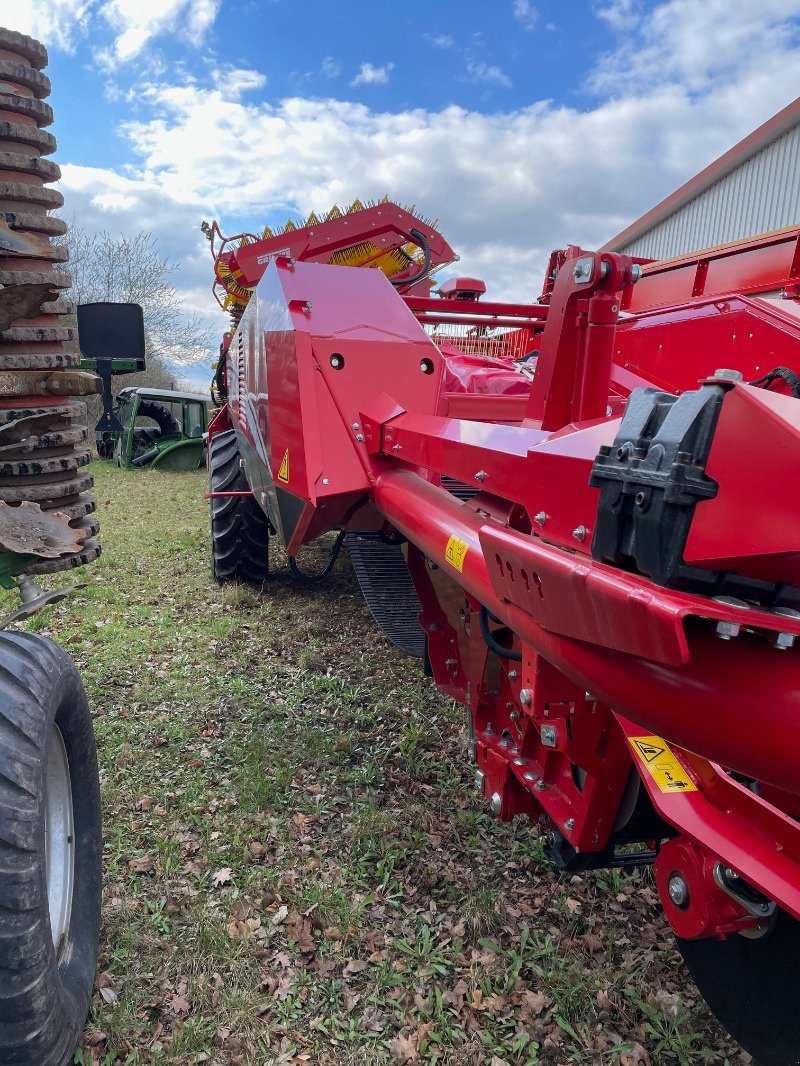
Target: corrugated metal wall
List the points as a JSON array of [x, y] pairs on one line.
[[760, 195]]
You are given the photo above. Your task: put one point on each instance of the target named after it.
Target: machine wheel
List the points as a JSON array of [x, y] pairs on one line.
[[50, 853], [167, 423], [752, 987], [239, 528]]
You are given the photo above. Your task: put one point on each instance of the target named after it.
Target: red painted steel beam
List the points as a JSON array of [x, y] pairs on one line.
[[716, 704]]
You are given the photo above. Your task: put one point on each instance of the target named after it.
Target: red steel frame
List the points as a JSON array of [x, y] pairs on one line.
[[333, 380]]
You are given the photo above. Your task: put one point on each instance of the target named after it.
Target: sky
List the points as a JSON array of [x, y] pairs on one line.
[[522, 126]]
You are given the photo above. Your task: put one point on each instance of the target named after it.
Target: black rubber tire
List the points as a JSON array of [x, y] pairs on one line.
[[239, 528], [161, 415], [44, 993]]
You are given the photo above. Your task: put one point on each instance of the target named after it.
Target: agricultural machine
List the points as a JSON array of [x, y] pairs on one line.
[[160, 428], [576, 512], [50, 835]]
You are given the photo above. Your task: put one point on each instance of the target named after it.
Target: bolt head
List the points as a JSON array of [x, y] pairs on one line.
[[678, 891], [540, 518], [360, 438], [728, 630], [548, 736], [496, 803], [569, 825], [525, 696], [580, 532]]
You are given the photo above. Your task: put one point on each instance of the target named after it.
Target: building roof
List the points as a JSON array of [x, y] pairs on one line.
[[774, 128]]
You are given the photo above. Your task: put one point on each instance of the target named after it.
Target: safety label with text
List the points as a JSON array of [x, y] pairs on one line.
[[662, 764], [283, 471], [455, 552]]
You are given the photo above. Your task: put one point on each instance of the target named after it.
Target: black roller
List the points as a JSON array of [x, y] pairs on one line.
[[753, 987]]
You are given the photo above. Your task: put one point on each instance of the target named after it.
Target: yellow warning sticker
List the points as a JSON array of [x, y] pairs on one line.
[[661, 764], [455, 553], [283, 472]]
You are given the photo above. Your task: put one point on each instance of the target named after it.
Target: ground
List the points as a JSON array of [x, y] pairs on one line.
[[297, 867]]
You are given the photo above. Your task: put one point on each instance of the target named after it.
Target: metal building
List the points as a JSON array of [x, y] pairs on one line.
[[753, 188]]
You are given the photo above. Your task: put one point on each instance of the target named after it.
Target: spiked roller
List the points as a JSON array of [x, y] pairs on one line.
[[43, 437]]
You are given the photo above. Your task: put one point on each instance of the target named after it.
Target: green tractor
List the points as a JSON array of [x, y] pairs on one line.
[[160, 428]]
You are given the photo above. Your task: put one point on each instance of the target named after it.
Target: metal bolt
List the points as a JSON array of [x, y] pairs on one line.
[[525, 696], [678, 891], [326, 481], [480, 777], [520, 762], [784, 641], [540, 518], [263, 497], [540, 786], [729, 375], [582, 271], [489, 730], [727, 630], [530, 776], [307, 307], [360, 438], [356, 425], [549, 736], [481, 475], [397, 447], [569, 825], [513, 674], [579, 533], [636, 273], [496, 803]]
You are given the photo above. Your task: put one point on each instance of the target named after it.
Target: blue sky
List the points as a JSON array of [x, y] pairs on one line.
[[522, 126]]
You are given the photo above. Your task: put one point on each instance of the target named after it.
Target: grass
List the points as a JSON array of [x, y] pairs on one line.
[[297, 867]]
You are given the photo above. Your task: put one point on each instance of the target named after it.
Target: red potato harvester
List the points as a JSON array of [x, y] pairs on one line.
[[576, 511]]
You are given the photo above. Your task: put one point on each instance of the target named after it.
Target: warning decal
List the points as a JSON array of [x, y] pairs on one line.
[[283, 472], [661, 764], [455, 553]]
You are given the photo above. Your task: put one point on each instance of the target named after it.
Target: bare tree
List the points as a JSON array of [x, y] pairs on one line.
[[132, 270]]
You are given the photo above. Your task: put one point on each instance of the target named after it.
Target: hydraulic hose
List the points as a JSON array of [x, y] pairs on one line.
[[423, 243], [323, 573], [491, 643]]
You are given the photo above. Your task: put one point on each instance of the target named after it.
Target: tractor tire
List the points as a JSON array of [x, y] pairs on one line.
[[239, 528], [166, 421], [50, 853]]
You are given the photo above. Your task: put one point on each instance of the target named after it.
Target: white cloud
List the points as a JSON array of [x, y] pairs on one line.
[[525, 14], [136, 22], [235, 81], [54, 22], [369, 75], [330, 68], [621, 15], [486, 74], [441, 40], [698, 43]]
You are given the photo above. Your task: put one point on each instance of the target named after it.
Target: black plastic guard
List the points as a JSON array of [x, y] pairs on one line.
[[651, 480]]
